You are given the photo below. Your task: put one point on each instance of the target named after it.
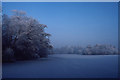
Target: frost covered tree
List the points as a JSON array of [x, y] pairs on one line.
[[100, 50], [24, 37]]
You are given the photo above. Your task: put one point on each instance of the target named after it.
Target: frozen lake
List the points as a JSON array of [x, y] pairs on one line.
[[64, 66]]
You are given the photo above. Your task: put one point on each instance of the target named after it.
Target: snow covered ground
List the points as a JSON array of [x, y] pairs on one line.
[[64, 66]]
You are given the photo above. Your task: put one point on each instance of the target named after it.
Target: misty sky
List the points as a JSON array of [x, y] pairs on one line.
[[73, 23]]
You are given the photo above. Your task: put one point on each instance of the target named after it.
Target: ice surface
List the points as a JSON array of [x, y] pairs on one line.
[[64, 66]]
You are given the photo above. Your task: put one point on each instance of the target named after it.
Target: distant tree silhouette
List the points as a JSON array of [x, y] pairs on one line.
[[23, 37]]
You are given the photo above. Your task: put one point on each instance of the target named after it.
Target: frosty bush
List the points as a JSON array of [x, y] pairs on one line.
[[25, 36]]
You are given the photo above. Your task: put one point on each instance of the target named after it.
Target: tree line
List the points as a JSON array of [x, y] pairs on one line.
[[98, 49]]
